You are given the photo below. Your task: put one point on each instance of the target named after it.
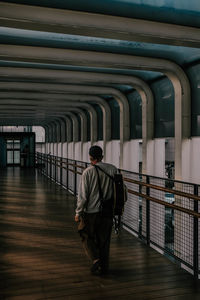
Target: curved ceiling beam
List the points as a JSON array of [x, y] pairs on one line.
[[93, 120], [52, 131], [75, 126], [58, 130], [62, 130], [38, 98], [71, 123], [37, 107], [120, 61], [83, 118], [50, 136], [78, 89], [178, 78], [59, 122], [96, 25], [60, 76], [68, 129], [70, 105], [46, 133], [27, 121], [55, 131]]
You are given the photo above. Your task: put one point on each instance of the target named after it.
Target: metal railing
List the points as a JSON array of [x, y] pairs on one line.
[[161, 212]]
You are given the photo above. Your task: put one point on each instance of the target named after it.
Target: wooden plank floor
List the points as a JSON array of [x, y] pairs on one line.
[[41, 256]]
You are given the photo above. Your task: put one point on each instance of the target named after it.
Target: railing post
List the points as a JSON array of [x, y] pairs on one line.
[[196, 237], [50, 166], [75, 177], [37, 158], [47, 164], [61, 170], [42, 161], [55, 170], [67, 175], [148, 213]]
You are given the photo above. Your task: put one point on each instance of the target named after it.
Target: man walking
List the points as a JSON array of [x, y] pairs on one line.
[[96, 233]]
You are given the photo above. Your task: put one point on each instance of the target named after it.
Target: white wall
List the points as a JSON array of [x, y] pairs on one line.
[[51, 150], [38, 147], [65, 150], [191, 160], [156, 157], [44, 148], [48, 148], [71, 150], [78, 152], [86, 147], [60, 150], [132, 155], [39, 133], [55, 149]]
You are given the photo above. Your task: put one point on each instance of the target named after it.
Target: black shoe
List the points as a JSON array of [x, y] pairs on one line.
[[96, 268]]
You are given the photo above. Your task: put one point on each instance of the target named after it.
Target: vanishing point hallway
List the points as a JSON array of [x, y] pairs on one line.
[[41, 255]]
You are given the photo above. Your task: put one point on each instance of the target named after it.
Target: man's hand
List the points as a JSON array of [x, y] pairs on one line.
[[76, 218]]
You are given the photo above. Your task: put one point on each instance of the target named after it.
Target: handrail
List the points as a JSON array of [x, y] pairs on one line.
[[63, 162], [151, 211], [156, 187], [185, 210], [152, 186]]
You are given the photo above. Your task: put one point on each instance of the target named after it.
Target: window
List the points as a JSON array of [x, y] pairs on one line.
[[13, 152]]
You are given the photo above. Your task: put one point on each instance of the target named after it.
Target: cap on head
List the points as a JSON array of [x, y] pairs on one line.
[[96, 152]]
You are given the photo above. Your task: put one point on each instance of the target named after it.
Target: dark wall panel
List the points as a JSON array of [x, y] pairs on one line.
[[163, 108], [135, 104], [115, 114], [194, 77]]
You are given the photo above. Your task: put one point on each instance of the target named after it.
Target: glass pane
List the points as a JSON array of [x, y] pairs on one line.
[[16, 144], [9, 144], [16, 157], [9, 157]]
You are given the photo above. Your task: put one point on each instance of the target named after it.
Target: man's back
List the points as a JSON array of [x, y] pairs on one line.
[[89, 188]]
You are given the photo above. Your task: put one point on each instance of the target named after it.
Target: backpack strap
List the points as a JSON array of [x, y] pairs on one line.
[[99, 184], [106, 207], [97, 167]]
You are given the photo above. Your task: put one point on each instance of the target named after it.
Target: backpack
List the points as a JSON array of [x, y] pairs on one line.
[[119, 196]]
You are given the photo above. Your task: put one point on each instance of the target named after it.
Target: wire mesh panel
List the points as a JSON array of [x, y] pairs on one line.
[[61, 170], [169, 220], [183, 237], [183, 225], [143, 209], [44, 165], [79, 170], [131, 216], [71, 175], [53, 168], [64, 172], [49, 166], [58, 168], [157, 213]]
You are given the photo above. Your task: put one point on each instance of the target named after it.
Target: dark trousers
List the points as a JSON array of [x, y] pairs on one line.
[[96, 237]]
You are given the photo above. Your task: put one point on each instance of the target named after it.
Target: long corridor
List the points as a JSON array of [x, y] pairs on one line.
[[41, 256]]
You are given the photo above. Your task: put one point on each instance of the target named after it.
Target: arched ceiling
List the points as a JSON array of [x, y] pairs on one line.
[[154, 29]]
